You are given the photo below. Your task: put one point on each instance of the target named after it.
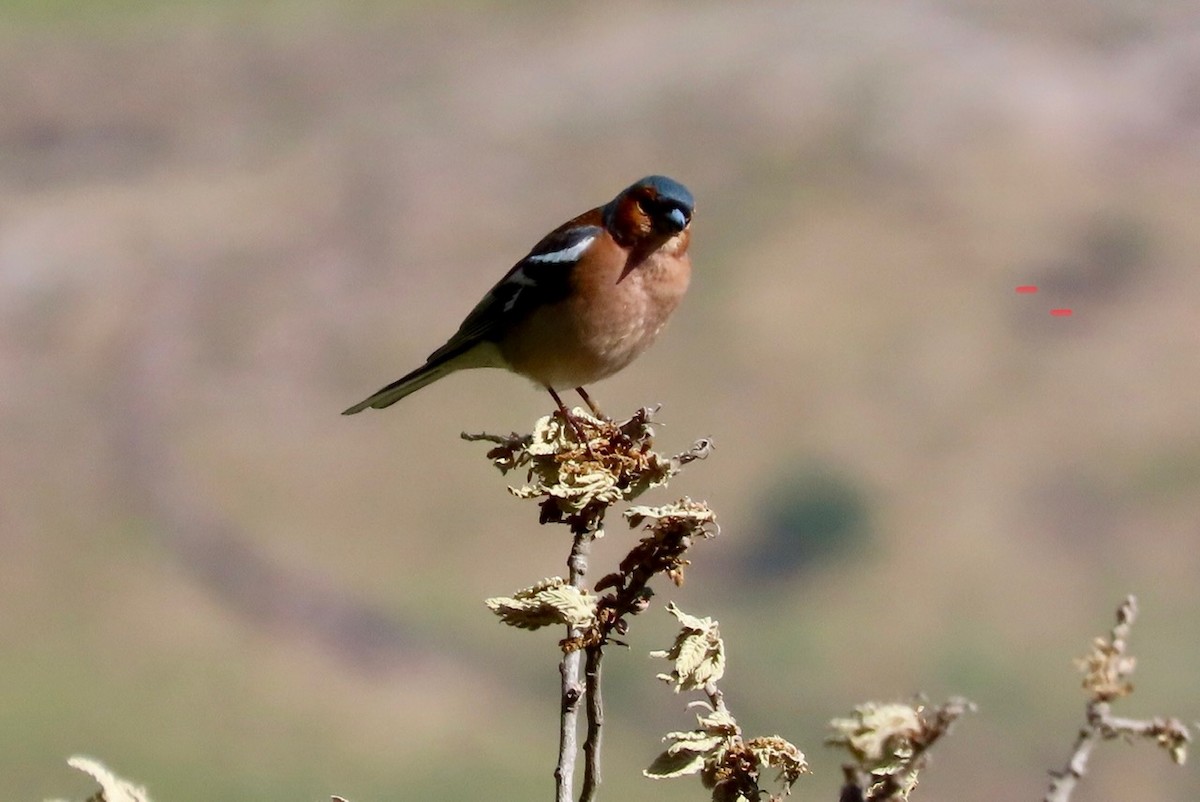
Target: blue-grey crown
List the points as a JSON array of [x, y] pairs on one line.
[[669, 190]]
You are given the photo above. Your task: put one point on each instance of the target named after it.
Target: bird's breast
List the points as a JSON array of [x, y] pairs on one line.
[[609, 318]]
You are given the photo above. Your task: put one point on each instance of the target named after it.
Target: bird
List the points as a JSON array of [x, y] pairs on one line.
[[586, 300]]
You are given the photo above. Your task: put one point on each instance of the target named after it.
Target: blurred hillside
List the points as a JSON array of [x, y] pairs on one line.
[[220, 224]]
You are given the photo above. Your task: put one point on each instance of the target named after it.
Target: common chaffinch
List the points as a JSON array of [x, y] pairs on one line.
[[584, 303]]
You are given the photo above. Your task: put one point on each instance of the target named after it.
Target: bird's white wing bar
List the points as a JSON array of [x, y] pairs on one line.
[[568, 254]]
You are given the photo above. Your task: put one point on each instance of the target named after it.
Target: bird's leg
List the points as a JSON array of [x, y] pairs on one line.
[[591, 404], [561, 406], [568, 417]]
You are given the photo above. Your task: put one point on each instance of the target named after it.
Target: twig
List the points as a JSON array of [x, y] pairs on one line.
[[568, 746], [1063, 783], [715, 697], [577, 473], [672, 530], [852, 785], [595, 724], [1107, 670]]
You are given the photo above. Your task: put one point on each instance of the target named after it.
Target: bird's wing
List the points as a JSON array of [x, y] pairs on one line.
[[542, 277]]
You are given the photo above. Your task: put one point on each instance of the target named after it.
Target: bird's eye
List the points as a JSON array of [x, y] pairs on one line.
[[656, 208]]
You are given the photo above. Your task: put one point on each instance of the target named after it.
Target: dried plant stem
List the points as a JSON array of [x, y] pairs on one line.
[[1063, 782], [577, 473], [1107, 672], [595, 723], [568, 744], [564, 774], [715, 697], [852, 786]]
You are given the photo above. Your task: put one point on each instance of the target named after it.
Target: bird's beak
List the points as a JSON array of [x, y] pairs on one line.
[[677, 220]]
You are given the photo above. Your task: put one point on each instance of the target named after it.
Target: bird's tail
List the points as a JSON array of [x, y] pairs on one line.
[[385, 397]]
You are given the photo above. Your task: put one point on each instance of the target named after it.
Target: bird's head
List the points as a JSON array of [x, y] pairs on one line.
[[655, 208]]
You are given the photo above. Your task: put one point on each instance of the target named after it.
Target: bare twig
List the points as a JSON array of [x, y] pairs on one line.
[[1062, 784], [1107, 671], [568, 747], [595, 723], [715, 697], [852, 784]]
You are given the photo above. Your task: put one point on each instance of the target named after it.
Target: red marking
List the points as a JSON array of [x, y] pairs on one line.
[[1061, 312], [1026, 288]]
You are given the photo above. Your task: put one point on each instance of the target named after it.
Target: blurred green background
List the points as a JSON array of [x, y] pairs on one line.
[[221, 223]]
